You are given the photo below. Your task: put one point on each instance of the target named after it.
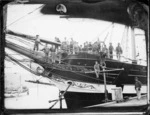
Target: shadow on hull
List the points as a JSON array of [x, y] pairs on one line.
[[76, 100]]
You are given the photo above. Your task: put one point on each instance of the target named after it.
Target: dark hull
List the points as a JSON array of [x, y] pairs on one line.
[[76, 100], [126, 76], [118, 78]]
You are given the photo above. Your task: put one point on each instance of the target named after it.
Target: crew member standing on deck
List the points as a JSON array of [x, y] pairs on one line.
[[105, 51], [99, 47], [89, 47], [96, 69], [59, 54], [53, 50], [111, 48], [118, 51], [37, 42], [138, 86], [46, 51], [72, 46]]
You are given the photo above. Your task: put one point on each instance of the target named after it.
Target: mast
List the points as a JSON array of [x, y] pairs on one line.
[[148, 64], [105, 85], [133, 46]]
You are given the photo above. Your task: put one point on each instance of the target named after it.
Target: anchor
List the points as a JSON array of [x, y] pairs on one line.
[[60, 96]]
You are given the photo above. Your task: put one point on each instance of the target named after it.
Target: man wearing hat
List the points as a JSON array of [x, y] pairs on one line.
[[138, 86], [37, 42]]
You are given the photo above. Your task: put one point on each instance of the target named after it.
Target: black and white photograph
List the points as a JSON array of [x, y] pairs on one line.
[[75, 57]]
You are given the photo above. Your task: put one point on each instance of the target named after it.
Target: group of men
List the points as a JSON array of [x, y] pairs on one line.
[[73, 48], [109, 52], [95, 48], [47, 51]]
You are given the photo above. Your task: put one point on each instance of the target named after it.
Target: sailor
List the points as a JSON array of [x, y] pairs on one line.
[[80, 48], [118, 51], [37, 42], [53, 50], [138, 86], [59, 55], [46, 51], [57, 39], [99, 46], [105, 51], [96, 69], [111, 48], [72, 46], [95, 48], [86, 46], [90, 47], [64, 45]]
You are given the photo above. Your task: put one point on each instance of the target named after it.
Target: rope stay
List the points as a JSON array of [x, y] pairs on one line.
[[20, 40], [23, 17], [111, 33], [23, 66], [104, 30]]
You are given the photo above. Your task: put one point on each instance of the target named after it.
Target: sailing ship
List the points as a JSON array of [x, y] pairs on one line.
[[78, 70], [75, 76]]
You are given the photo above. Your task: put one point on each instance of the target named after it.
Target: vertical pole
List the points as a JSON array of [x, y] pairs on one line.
[[20, 85], [127, 42], [148, 64], [2, 53], [105, 88], [133, 44], [60, 100], [5, 17], [73, 47]]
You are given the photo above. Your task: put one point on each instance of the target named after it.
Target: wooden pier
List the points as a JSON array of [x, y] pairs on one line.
[[124, 103]]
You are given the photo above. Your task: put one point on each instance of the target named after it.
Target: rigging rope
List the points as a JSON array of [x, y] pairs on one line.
[[123, 36], [21, 40], [106, 37], [104, 31], [13, 59], [23, 16], [111, 33]]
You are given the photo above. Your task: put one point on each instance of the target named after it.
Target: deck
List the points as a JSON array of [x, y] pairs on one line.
[[125, 103]]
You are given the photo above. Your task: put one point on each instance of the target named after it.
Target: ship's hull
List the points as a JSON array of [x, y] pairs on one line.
[[82, 94], [119, 78], [127, 76], [86, 89], [71, 72], [76, 100]]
